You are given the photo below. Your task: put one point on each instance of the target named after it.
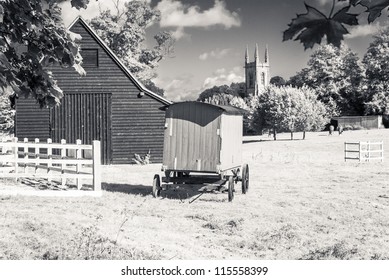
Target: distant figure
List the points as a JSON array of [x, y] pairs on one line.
[[340, 129], [331, 129]]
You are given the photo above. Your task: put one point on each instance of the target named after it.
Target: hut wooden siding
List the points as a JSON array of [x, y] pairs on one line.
[[368, 122], [231, 135], [107, 100], [201, 137]]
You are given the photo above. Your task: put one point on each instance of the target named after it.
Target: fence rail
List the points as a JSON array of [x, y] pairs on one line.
[[41, 160], [364, 151]]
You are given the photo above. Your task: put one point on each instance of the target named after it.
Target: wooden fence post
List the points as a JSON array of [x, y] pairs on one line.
[[2, 151], [63, 166], [360, 152], [382, 151], [96, 165], [49, 157], [78, 167], [25, 152], [15, 151], [1, 147], [368, 151], [36, 151], [345, 151]]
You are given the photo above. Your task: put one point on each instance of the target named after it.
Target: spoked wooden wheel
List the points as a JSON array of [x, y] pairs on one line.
[[231, 188], [156, 185], [245, 178]]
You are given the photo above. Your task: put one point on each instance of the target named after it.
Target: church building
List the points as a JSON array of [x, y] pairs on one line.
[[257, 73]]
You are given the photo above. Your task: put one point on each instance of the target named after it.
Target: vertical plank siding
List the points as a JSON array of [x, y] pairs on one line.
[[88, 117], [131, 124], [191, 141]]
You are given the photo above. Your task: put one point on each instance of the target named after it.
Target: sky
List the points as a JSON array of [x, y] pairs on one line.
[[212, 35]]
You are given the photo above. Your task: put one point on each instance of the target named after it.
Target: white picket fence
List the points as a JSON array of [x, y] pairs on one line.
[[364, 151], [52, 161]]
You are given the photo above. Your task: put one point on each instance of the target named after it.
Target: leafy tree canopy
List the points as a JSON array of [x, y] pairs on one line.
[[124, 31], [277, 81], [336, 75], [376, 62], [33, 37], [282, 109], [235, 89], [311, 27]]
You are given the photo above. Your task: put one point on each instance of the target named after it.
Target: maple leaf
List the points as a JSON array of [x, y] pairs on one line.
[[311, 27], [355, 2], [79, 4], [374, 7]]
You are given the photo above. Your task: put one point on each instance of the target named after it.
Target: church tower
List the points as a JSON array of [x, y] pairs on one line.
[[257, 73]]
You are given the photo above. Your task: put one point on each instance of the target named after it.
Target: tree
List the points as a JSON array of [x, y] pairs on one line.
[[289, 109], [33, 37], [152, 86], [277, 81], [336, 74], [311, 112], [6, 114], [312, 26], [246, 104], [235, 89], [376, 61], [125, 33], [299, 79]]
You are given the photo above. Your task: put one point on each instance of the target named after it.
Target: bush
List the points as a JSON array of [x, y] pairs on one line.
[[142, 160], [7, 115]]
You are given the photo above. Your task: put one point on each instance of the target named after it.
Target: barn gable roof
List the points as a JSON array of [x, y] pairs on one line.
[[127, 72]]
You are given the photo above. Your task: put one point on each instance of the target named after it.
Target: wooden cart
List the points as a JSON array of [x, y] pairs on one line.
[[203, 145]]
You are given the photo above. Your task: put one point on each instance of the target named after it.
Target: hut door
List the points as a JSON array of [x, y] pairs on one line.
[[85, 116]]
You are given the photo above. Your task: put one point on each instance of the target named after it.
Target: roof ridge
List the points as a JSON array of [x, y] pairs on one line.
[[118, 61]]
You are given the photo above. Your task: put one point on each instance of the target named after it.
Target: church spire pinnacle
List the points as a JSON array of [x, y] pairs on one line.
[[256, 53], [247, 54], [267, 54]]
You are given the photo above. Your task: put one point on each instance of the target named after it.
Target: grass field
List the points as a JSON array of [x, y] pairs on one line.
[[304, 202]]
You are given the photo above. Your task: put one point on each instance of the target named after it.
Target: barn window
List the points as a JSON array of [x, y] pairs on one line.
[[90, 58]]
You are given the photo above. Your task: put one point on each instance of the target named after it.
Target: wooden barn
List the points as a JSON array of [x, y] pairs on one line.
[[108, 104], [202, 137]]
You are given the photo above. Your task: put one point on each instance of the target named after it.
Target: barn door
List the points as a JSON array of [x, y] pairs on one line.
[[85, 116]]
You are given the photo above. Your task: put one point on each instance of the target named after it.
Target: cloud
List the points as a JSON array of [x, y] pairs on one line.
[[93, 9], [224, 77], [363, 30], [181, 88], [176, 14], [218, 54], [178, 88], [179, 33]]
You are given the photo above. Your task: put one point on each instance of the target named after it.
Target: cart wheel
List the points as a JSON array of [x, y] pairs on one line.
[[245, 178], [156, 185], [231, 188]]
